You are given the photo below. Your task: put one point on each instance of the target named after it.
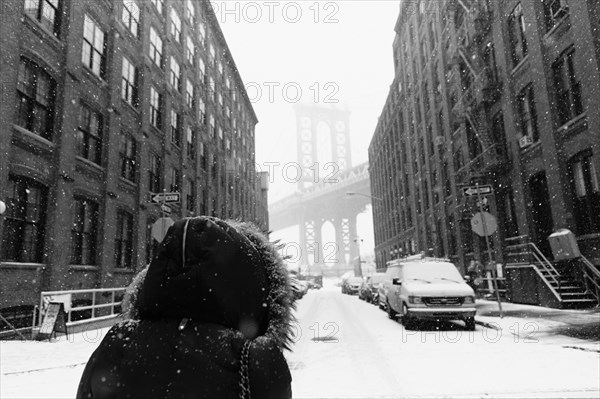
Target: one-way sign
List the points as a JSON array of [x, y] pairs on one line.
[[166, 197], [478, 190]]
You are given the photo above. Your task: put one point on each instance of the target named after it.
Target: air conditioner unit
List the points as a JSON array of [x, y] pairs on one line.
[[525, 141]]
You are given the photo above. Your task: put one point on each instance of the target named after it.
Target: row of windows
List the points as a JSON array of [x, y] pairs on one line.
[[25, 226], [94, 55]]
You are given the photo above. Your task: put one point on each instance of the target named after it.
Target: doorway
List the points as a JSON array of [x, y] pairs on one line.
[[541, 213]]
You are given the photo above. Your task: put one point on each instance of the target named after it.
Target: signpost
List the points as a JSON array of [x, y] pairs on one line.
[[486, 230], [161, 226]]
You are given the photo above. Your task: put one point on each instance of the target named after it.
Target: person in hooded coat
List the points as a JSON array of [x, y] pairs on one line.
[[208, 318]]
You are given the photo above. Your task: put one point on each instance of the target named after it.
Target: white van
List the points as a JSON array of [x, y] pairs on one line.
[[427, 288]]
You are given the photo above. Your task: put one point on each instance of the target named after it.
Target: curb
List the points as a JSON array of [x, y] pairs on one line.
[[488, 325]]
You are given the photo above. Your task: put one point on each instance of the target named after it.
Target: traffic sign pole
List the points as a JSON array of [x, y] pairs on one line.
[[489, 250]]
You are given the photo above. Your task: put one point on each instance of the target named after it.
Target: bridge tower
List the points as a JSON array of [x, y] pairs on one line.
[[323, 145]]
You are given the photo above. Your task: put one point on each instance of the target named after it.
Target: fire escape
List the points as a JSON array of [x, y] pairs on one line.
[[480, 88]]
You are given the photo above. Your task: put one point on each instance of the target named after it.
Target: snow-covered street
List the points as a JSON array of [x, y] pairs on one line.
[[346, 348]]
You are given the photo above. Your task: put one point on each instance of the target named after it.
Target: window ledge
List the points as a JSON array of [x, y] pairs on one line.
[[90, 164], [123, 270], [31, 139], [22, 265], [557, 26], [573, 122], [87, 71], [42, 32], [131, 107], [519, 65], [126, 182], [88, 268]]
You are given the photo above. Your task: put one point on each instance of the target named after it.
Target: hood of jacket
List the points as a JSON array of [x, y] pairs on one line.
[[223, 272]]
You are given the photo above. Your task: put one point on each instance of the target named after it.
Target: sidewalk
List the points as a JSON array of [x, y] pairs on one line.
[[537, 322]]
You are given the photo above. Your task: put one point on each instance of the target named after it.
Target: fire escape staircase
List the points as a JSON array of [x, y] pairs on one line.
[[485, 89], [567, 289]]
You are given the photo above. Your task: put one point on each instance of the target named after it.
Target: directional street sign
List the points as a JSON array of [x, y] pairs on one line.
[[166, 209], [478, 190], [166, 197]]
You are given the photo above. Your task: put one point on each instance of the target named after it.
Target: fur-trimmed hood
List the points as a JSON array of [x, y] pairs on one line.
[[224, 272]]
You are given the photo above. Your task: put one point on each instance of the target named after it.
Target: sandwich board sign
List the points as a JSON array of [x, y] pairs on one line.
[[55, 320]]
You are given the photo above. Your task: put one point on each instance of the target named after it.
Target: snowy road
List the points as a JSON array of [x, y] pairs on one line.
[[350, 349], [346, 348]]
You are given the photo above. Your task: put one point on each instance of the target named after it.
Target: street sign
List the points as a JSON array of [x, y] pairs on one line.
[[160, 228], [166, 197], [166, 209], [484, 224], [478, 190]]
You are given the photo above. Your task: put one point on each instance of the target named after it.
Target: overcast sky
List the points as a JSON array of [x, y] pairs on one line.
[[335, 53]]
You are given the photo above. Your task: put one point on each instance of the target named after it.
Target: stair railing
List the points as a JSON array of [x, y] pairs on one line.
[[591, 277]]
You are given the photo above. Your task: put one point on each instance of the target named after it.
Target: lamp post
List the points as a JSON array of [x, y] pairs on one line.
[[351, 193], [358, 269]]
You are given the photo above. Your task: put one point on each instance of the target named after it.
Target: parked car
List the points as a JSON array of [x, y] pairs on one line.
[[427, 288], [299, 287], [369, 291], [352, 285]]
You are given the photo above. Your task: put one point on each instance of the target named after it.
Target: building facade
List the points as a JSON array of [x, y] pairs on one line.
[[105, 103], [489, 93]]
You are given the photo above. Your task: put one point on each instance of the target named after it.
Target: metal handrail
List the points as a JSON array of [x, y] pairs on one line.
[[591, 275], [93, 307]]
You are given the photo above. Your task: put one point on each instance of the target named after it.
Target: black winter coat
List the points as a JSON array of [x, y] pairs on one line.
[[214, 287]]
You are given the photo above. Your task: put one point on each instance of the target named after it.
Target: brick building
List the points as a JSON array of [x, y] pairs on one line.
[[103, 103], [499, 93]]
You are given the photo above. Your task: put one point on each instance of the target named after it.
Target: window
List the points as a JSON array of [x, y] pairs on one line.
[[156, 48], [89, 135], [155, 173], [46, 12], [175, 73], [159, 4], [155, 108], [517, 35], [201, 32], [586, 193], [191, 12], [131, 16], [175, 128], [175, 180], [201, 111], [94, 46], [127, 154], [175, 25], [129, 83], [203, 156], [202, 71], [83, 232], [554, 12], [568, 88], [211, 54], [24, 223], [124, 240], [190, 51], [211, 130], [527, 113], [191, 143], [191, 195], [36, 91], [189, 93]]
